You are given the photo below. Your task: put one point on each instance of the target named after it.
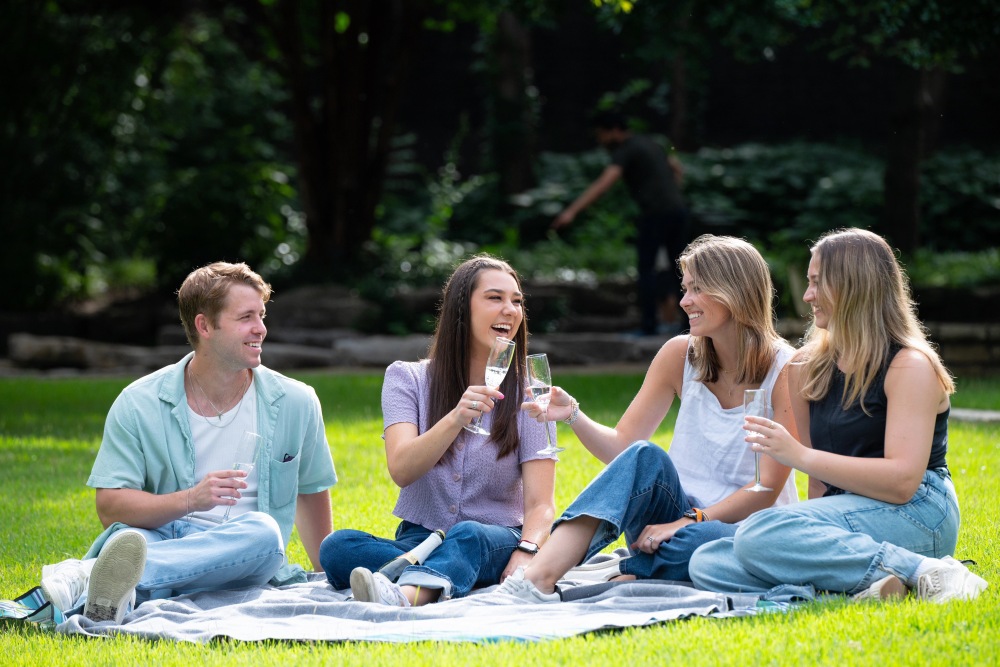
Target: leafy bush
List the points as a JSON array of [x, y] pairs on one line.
[[780, 197]]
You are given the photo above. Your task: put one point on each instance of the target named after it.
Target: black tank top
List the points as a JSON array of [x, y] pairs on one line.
[[851, 432]]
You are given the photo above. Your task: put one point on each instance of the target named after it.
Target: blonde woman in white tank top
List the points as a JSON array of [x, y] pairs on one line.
[[668, 505]]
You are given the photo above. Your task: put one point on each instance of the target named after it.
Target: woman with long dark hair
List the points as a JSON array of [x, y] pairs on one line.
[[492, 494]]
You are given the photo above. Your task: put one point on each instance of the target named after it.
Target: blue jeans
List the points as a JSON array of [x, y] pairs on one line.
[[183, 557], [473, 554], [840, 544], [640, 487]]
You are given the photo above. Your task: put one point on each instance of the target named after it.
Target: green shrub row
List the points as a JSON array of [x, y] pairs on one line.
[[780, 197]]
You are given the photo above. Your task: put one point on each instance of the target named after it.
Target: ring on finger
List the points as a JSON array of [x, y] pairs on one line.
[[475, 405], [650, 539]]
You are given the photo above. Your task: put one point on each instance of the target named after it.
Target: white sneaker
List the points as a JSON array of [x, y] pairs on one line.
[[597, 570], [116, 573], [950, 581], [519, 587], [63, 583], [368, 586]]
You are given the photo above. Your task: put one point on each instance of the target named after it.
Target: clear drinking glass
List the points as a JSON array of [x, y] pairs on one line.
[[755, 405], [540, 388], [246, 458], [497, 364]]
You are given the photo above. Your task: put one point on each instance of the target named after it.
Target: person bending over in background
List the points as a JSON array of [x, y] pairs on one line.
[[653, 180]]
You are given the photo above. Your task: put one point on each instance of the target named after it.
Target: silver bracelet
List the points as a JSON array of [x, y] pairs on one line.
[[574, 414]]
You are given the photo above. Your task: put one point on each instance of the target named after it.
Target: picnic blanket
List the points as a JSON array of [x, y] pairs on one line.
[[315, 611]]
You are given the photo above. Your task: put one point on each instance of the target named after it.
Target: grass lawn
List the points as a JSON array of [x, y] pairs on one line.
[[50, 430]]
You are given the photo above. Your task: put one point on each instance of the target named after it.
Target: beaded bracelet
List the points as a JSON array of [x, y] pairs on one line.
[[574, 413]]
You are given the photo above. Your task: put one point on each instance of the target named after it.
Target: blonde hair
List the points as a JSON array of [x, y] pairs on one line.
[[732, 272], [867, 297]]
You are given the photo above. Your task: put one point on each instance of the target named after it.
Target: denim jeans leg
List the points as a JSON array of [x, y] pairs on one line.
[[343, 550], [473, 554], [840, 543], [715, 567], [639, 487], [245, 551], [671, 560]]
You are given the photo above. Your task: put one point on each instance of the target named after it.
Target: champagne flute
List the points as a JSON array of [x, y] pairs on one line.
[[540, 388], [246, 458], [497, 364], [755, 405]]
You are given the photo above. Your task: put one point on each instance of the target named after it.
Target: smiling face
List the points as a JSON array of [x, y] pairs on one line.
[[707, 315], [234, 340], [496, 307], [814, 295]]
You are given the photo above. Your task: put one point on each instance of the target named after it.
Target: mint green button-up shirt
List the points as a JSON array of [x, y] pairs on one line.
[[148, 446]]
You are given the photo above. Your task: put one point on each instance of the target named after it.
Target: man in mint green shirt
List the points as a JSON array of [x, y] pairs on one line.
[[180, 516]]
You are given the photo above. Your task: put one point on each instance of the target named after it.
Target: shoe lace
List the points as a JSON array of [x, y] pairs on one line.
[[929, 585]]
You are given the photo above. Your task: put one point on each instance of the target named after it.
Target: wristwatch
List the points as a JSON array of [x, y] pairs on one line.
[[696, 515], [527, 547]]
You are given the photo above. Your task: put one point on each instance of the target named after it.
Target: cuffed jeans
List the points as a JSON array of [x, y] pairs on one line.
[[638, 488], [184, 557], [473, 554], [841, 543]]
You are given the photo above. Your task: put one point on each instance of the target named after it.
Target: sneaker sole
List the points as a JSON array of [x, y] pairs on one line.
[[599, 572], [115, 575], [362, 586]]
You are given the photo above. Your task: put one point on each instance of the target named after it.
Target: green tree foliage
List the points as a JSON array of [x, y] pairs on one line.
[[133, 132], [67, 76]]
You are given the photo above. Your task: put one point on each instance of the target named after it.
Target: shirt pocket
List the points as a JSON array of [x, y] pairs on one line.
[[284, 482]]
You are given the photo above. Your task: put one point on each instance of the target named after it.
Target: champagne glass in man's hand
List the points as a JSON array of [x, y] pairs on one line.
[[246, 458], [497, 364]]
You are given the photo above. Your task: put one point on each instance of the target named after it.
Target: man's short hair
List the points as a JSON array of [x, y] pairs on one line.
[[205, 291]]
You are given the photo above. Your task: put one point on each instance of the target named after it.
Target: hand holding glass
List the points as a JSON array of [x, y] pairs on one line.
[[755, 405], [540, 388], [246, 458], [496, 370]]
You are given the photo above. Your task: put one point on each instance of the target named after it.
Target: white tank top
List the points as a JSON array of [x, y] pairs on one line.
[[708, 449]]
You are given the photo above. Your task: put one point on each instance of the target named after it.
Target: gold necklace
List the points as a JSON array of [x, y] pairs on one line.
[[218, 412]]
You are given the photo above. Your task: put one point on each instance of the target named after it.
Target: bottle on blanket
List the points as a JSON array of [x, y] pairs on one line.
[[414, 556]]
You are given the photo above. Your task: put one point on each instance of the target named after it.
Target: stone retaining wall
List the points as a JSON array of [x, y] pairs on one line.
[[967, 349]]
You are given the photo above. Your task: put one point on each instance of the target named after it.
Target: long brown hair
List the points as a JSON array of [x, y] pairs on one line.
[[732, 272], [868, 299], [450, 353]]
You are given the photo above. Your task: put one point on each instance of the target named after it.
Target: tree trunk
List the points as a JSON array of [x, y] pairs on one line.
[[344, 98], [918, 96], [679, 92], [515, 120]]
